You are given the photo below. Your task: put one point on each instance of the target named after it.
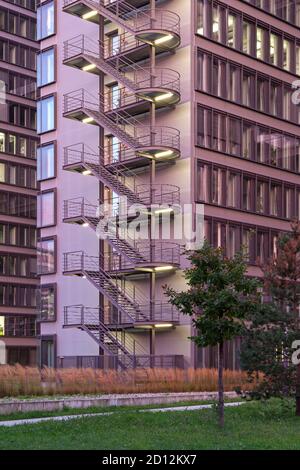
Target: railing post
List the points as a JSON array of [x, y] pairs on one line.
[[82, 314], [82, 261], [82, 207], [82, 153], [66, 212]]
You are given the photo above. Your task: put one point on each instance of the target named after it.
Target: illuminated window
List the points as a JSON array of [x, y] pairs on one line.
[[274, 55], [231, 31], [287, 48], [216, 24], [259, 43], [2, 142]]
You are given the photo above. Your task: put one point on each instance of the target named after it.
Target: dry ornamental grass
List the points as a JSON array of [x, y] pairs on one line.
[[30, 381]]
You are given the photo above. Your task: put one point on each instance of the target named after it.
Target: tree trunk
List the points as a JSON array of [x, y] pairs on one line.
[[298, 391], [221, 385]]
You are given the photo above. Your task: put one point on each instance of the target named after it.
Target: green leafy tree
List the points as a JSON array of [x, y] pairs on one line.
[[271, 330], [218, 298]]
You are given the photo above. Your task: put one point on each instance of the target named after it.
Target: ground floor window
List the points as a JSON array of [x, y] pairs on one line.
[[21, 355]]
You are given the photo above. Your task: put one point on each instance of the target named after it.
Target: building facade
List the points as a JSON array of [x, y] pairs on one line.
[[18, 185], [172, 104]]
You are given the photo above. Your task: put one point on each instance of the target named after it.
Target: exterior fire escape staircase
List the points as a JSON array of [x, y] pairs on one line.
[[161, 87], [114, 342]]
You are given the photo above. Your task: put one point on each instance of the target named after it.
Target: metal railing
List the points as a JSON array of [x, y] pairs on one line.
[[94, 317], [144, 136], [137, 20], [165, 253], [113, 362], [141, 77], [79, 261]]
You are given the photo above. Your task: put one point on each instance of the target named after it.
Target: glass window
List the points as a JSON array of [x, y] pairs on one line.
[[2, 142], [45, 67], [46, 209], [45, 114], [46, 256], [275, 200], [45, 162], [248, 87], [216, 24], [12, 144], [46, 303], [247, 37], [261, 197], [274, 52], [231, 31], [234, 136], [2, 172], [260, 43], [2, 233], [287, 54], [232, 190], [45, 20]]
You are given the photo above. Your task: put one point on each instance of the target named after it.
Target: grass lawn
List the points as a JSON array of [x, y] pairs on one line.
[[66, 411], [270, 425]]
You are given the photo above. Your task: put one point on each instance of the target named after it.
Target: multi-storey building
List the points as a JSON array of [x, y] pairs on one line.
[[18, 186], [176, 102]]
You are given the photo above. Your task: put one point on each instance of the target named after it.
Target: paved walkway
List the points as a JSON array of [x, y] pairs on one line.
[[19, 422]]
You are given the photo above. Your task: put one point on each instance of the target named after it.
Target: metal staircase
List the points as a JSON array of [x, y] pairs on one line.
[[83, 52], [85, 107], [108, 285], [114, 341], [82, 159], [159, 29], [134, 20]]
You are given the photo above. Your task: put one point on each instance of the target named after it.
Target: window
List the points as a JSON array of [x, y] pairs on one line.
[[45, 67], [46, 256], [2, 142], [46, 209], [274, 53], [17, 325], [234, 136], [45, 20], [114, 44], [232, 190], [45, 115], [46, 302], [260, 43], [231, 31], [48, 351], [45, 162], [247, 37], [2, 173], [287, 54], [275, 200], [298, 60], [261, 197], [216, 30]]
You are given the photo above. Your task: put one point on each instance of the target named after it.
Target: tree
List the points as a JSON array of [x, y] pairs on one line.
[[272, 329], [218, 298]]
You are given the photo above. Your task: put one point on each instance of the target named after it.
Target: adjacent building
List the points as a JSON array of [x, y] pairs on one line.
[[18, 185], [176, 103]]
